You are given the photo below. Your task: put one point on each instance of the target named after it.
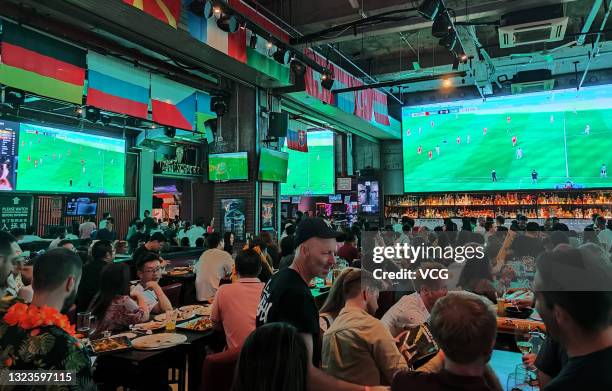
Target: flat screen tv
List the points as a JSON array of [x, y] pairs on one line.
[[9, 132], [223, 167], [312, 172], [59, 160], [558, 139], [82, 206], [273, 165]]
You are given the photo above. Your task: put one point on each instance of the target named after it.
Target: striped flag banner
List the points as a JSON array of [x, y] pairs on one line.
[[172, 103], [297, 138], [40, 64], [167, 11], [117, 86]]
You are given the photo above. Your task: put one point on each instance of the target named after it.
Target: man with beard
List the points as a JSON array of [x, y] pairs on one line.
[[39, 336], [358, 347], [574, 299]]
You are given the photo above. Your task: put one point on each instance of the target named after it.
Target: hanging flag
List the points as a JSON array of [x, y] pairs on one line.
[[172, 104], [203, 114], [381, 113], [116, 86], [297, 140], [168, 11], [206, 31], [40, 64]]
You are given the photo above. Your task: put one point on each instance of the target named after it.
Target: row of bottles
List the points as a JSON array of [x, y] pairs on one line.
[[510, 199]]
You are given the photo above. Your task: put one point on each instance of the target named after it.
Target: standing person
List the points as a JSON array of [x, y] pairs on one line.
[[132, 228], [108, 232], [86, 228], [213, 265], [148, 221], [287, 298], [139, 236], [430, 154], [464, 325], [153, 245], [41, 326], [357, 347], [438, 150], [235, 305], [349, 251], [514, 141], [287, 247], [604, 171], [519, 153], [493, 175], [573, 296], [196, 231], [271, 248], [534, 176]]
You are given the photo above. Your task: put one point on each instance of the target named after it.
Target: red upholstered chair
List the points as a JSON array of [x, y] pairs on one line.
[[173, 292], [218, 371]]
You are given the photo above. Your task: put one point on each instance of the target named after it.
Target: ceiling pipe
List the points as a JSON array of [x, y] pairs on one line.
[[596, 45], [401, 81], [589, 22]]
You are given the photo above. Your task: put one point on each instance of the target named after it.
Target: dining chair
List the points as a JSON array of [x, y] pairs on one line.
[[218, 371], [173, 293]]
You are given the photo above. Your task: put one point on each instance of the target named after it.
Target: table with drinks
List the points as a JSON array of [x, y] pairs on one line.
[[175, 340]]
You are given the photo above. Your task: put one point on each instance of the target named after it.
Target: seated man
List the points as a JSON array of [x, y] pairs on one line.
[[41, 326], [357, 347], [574, 299], [235, 305], [149, 273], [412, 310], [464, 326], [213, 265]]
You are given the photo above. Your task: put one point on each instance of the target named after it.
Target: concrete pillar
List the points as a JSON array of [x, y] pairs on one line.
[[145, 185]]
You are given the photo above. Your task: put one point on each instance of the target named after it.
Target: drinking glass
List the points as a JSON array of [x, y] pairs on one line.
[[86, 325], [171, 316]]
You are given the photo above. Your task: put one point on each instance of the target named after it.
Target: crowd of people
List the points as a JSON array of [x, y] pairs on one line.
[[261, 299]]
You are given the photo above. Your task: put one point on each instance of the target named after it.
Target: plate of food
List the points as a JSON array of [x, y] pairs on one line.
[[126, 334], [158, 341], [175, 272], [149, 326], [181, 317], [199, 324], [196, 309], [111, 344]]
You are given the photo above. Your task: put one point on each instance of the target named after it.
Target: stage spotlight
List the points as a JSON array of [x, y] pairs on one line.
[[14, 97], [441, 27], [450, 41], [269, 45], [464, 58], [253, 41], [169, 131], [429, 9], [447, 83], [218, 104], [327, 79], [282, 56], [228, 23], [92, 114], [217, 10], [455, 64]]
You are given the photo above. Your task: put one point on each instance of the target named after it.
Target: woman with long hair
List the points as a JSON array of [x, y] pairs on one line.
[[228, 242], [273, 358], [334, 302], [476, 277], [115, 304]]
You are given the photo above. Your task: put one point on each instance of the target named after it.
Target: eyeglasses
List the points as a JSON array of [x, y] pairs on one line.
[[156, 270]]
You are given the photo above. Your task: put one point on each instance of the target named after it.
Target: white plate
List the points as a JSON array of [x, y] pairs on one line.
[[182, 316], [199, 310], [129, 335], [152, 325], [158, 341]]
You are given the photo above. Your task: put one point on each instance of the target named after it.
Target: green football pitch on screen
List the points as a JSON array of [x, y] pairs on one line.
[[273, 165], [312, 172], [57, 160], [228, 167], [552, 140]]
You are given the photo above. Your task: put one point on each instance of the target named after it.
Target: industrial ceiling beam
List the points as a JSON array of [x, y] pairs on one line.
[[401, 82]]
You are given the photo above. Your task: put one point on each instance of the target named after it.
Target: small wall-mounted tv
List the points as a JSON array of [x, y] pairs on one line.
[[273, 165], [223, 167], [335, 199], [81, 206]]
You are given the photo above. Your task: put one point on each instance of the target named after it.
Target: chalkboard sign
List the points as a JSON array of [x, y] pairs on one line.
[[15, 211], [233, 217]]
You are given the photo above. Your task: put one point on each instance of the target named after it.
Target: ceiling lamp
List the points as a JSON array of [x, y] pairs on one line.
[[228, 23], [429, 9], [282, 56], [327, 79], [442, 26]]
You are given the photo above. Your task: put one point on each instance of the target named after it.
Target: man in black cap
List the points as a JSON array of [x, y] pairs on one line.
[[287, 298]]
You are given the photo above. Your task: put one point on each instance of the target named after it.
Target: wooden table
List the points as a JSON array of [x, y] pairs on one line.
[[135, 367]]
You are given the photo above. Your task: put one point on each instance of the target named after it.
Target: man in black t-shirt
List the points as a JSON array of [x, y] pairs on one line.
[[573, 297], [153, 245], [287, 298]]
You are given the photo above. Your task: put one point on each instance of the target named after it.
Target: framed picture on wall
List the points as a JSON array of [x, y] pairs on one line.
[[268, 214], [233, 217]]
